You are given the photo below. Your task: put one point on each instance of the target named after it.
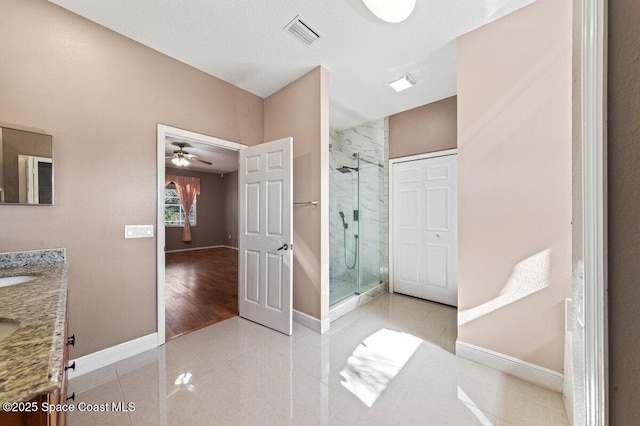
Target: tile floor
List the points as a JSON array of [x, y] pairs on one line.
[[236, 372]]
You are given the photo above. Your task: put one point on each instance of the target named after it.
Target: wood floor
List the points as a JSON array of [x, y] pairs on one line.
[[201, 288]]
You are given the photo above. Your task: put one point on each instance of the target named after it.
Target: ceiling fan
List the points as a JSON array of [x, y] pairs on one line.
[[182, 158]]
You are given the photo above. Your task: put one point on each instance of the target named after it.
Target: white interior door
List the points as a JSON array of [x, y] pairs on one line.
[[265, 234], [425, 229], [29, 179]]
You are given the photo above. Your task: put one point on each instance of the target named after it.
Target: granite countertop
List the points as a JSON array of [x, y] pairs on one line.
[[31, 358]]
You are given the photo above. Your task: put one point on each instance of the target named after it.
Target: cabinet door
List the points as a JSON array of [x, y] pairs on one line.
[[36, 418]]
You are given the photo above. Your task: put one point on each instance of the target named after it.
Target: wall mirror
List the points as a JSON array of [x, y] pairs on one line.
[[26, 167]]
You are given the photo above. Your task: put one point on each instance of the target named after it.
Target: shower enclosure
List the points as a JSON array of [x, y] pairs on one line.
[[356, 219]]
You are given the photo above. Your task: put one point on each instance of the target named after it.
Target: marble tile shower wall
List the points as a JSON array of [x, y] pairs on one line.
[[343, 198], [370, 140]]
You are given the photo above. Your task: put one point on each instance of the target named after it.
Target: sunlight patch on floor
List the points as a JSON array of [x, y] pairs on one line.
[[376, 362]]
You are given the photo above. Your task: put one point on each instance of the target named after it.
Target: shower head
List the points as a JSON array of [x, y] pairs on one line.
[[345, 225], [346, 169]]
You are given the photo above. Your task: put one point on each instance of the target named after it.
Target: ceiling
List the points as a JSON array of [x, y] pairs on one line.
[[243, 43], [224, 160]]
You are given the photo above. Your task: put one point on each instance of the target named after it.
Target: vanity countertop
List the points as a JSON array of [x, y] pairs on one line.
[[31, 358]]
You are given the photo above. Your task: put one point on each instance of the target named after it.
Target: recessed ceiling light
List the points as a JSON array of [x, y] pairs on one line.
[[402, 83]]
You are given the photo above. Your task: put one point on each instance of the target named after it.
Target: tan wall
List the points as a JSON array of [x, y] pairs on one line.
[[299, 110], [428, 128], [624, 210], [514, 153], [231, 209], [210, 226], [101, 95]]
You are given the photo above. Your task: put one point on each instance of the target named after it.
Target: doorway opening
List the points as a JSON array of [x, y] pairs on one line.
[[201, 263], [197, 269]]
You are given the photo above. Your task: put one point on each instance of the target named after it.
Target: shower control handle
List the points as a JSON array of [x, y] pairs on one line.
[[284, 247]]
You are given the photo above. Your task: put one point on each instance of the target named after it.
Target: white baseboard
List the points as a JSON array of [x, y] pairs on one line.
[[312, 323], [200, 248], [86, 364], [193, 248], [516, 367]]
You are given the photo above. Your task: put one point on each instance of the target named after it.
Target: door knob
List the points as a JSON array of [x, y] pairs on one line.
[[285, 246]]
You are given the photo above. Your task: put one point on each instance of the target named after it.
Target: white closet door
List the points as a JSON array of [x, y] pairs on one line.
[[425, 229]]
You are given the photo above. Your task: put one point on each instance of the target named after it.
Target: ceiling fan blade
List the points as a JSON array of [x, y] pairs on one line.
[[194, 158], [181, 145]]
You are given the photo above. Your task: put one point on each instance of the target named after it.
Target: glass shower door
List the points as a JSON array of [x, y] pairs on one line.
[[344, 230], [371, 223]]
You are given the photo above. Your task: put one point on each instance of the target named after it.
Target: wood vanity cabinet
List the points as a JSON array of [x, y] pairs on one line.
[[58, 396]]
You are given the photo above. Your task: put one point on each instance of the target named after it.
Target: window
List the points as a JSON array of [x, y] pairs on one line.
[[173, 211]]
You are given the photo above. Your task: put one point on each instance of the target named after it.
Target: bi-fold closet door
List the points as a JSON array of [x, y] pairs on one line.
[[425, 228]]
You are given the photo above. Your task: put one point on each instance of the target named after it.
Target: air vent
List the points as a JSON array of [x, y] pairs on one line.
[[302, 31]]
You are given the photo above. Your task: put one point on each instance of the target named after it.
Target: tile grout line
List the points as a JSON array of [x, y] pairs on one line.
[[122, 393]]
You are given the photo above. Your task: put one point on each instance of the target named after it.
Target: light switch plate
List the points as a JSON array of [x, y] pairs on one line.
[[138, 231]]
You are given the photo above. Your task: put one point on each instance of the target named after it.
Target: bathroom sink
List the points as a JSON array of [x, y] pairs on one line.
[[19, 279], [7, 327]]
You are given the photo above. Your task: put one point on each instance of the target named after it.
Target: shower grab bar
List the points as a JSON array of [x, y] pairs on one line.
[[304, 203]]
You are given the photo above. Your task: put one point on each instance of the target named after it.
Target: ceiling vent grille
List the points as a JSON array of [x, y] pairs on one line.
[[301, 31]]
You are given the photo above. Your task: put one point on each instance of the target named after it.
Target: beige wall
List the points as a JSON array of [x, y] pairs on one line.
[[15, 143], [514, 153], [210, 229], [428, 128], [231, 209], [101, 95], [300, 110], [623, 152]]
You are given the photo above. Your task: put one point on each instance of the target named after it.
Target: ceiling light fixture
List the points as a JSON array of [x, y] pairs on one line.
[[402, 83], [392, 11], [180, 161]]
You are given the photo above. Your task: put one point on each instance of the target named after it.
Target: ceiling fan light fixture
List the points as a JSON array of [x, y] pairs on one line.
[[392, 11], [180, 161], [402, 83]]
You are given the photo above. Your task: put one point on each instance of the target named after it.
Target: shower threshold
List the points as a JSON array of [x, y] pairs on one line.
[[357, 299]]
